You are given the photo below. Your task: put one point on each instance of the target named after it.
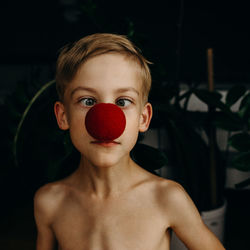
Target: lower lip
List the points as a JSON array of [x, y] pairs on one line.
[[106, 144]]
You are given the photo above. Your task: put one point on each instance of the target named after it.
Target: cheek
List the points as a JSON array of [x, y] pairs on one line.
[[133, 117], [132, 124], [77, 125], [76, 116]]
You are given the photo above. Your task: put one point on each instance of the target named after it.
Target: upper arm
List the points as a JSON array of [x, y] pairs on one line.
[[43, 214], [186, 221]]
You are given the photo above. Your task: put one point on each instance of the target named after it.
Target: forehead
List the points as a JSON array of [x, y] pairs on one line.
[[108, 71]]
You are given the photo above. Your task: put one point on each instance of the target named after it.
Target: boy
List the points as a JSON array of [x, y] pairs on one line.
[[110, 202]]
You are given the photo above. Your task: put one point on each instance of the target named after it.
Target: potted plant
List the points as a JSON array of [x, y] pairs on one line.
[[235, 122]]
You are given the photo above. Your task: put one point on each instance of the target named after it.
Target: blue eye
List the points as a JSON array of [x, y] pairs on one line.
[[123, 102], [88, 101]]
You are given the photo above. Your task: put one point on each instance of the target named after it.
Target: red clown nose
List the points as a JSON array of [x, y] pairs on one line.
[[105, 121]]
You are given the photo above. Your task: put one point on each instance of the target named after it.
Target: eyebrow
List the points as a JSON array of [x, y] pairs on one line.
[[120, 90], [129, 89], [82, 88]]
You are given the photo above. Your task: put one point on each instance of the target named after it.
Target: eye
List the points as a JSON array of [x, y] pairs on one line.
[[123, 102], [88, 102]]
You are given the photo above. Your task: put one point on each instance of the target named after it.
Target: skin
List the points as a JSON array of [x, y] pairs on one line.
[[110, 202]]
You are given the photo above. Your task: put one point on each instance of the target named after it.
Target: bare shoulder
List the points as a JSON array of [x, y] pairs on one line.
[[173, 197], [50, 193], [173, 191], [169, 189], [163, 188], [49, 198], [181, 215], [178, 205]]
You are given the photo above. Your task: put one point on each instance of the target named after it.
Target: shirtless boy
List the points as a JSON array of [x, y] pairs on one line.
[[109, 202]]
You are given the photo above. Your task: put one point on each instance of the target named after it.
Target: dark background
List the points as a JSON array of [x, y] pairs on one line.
[[33, 31], [174, 35]]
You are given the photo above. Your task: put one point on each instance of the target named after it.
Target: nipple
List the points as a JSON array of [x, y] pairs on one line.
[[105, 121]]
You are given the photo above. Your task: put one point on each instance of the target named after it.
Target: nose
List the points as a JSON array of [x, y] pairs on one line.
[[105, 121]]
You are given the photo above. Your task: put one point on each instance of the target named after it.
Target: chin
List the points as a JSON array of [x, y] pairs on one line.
[[105, 162]]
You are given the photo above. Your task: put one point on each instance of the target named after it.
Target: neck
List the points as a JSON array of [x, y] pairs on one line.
[[104, 182]]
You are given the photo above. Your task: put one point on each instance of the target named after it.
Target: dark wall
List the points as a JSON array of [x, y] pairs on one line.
[[33, 31]]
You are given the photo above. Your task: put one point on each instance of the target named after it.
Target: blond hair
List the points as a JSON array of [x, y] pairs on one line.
[[72, 56]]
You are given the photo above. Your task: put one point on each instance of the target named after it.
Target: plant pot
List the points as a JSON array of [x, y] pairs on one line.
[[215, 221]]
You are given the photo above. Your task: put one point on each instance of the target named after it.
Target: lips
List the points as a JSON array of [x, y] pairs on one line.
[[105, 143]]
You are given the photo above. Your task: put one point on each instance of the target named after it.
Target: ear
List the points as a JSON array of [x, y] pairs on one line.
[[145, 118], [61, 117]]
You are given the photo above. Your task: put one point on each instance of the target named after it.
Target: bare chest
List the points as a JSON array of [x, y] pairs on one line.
[[120, 224]]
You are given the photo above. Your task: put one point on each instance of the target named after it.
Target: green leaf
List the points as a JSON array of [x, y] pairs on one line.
[[245, 100], [244, 110], [240, 141], [148, 157], [242, 161], [226, 122], [234, 94], [212, 99], [243, 184], [24, 115]]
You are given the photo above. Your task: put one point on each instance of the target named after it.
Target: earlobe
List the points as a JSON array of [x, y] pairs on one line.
[[146, 117], [61, 117]]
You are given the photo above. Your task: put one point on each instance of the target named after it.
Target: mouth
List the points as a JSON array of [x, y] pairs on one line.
[[105, 143]]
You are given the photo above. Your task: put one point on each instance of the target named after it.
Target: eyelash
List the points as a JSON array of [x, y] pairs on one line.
[[85, 99], [124, 99], [91, 98]]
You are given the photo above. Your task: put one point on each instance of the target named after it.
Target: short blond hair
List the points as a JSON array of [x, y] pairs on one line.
[[72, 56]]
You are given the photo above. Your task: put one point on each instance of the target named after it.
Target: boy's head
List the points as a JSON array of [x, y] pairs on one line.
[[103, 70], [75, 55]]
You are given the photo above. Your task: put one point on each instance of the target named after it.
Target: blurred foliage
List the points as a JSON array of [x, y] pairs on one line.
[[237, 122], [187, 149]]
